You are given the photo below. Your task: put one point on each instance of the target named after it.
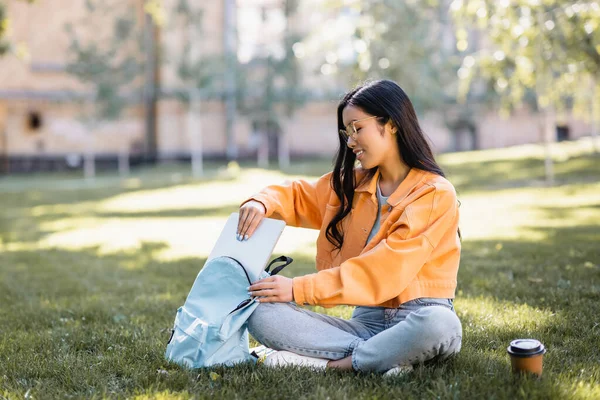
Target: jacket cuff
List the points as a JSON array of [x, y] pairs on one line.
[[263, 200], [302, 287]]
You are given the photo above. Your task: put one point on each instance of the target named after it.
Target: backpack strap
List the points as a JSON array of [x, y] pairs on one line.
[[285, 259]]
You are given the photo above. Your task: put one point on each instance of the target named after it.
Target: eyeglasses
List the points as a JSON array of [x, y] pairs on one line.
[[350, 131]]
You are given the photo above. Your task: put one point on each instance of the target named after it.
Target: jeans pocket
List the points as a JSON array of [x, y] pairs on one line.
[[432, 301]]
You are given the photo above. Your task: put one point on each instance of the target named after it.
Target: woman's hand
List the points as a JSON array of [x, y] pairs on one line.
[[274, 289], [251, 214]]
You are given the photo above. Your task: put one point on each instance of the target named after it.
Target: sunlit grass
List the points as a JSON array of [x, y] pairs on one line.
[[91, 276], [519, 213], [112, 225], [493, 314], [560, 152], [125, 221]]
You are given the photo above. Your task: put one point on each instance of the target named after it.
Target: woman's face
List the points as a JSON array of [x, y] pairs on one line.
[[373, 144]]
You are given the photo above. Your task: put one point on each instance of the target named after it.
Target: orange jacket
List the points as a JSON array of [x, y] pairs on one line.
[[415, 253]]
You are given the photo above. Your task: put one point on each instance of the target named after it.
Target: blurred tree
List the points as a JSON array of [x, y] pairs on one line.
[[108, 62], [230, 49], [542, 52], [4, 24], [153, 19], [5, 45], [198, 72], [411, 43], [403, 41], [550, 48], [268, 90]]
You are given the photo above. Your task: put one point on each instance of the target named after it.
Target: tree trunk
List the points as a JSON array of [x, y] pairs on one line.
[[230, 47], [594, 118], [124, 162], [4, 156], [549, 138], [546, 108], [263, 150], [195, 133], [89, 161], [283, 150], [151, 77]]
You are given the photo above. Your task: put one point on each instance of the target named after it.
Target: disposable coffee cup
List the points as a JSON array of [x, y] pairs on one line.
[[526, 356]]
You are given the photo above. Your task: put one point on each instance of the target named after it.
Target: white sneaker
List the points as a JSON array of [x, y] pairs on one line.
[[284, 358], [398, 371], [261, 352]]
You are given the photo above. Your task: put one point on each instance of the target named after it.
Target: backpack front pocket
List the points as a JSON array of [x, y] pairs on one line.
[[188, 338], [236, 319]]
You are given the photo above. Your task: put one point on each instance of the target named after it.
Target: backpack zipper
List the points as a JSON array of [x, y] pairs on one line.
[[243, 269], [246, 301]]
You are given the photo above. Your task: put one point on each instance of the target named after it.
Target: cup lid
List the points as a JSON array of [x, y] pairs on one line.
[[526, 347]]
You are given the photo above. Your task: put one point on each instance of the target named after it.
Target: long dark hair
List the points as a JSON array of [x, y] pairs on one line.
[[386, 100]]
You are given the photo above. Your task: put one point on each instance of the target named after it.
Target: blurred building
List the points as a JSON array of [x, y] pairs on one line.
[[43, 107]]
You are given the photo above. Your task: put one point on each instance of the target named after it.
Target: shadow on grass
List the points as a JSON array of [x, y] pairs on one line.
[[76, 323], [502, 174], [29, 228], [48, 196], [224, 211], [570, 212], [53, 188], [21, 220], [548, 290]]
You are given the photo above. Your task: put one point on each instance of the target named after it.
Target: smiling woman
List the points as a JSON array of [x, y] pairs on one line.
[[388, 244]]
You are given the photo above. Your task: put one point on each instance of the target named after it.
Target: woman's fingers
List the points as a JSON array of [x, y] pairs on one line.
[[243, 223], [254, 222], [251, 214], [249, 224], [272, 289], [264, 288], [265, 293], [267, 283]]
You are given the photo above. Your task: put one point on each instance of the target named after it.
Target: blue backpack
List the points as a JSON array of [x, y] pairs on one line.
[[211, 327]]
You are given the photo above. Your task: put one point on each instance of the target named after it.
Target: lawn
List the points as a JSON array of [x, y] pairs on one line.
[[91, 276]]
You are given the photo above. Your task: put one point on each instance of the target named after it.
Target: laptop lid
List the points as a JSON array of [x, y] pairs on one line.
[[253, 253]]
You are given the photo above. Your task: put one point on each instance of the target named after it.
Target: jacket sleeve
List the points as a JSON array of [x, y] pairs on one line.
[[383, 272], [299, 203]]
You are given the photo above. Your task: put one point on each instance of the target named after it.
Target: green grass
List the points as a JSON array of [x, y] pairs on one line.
[[91, 276]]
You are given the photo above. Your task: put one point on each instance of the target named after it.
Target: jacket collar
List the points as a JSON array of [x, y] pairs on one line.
[[404, 189]]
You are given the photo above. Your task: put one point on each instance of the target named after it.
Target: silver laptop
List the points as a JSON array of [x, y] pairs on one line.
[[253, 253]]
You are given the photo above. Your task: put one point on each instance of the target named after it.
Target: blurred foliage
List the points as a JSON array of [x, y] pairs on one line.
[[546, 52], [194, 68], [269, 85], [156, 10], [5, 45], [108, 64], [4, 24], [405, 43]]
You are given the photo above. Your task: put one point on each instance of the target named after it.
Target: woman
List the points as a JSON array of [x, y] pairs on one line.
[[388, 244]]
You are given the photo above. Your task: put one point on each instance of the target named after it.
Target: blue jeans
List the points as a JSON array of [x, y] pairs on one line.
[[377, 338]]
